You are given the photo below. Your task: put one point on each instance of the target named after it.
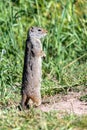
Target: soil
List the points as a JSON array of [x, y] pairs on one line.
[[69, 103], [65, 103]]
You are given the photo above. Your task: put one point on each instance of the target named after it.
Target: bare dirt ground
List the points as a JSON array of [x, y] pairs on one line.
[[69, 103], [65, 103]]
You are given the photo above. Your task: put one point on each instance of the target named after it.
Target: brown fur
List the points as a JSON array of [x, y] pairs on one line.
[[31, 80]]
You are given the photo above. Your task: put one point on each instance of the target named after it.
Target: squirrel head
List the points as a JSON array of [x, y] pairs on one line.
[[37, 32]]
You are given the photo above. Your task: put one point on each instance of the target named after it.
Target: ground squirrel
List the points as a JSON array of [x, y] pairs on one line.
[[31, 80]]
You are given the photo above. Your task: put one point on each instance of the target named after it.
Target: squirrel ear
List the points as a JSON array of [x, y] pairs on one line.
[[31, 29]]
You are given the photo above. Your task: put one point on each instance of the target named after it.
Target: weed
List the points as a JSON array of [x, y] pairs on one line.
[[65, 65]]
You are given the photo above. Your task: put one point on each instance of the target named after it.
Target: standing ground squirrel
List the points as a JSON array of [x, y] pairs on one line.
[[31, 80]]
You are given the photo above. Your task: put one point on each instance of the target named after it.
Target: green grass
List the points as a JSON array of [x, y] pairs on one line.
[[12, 119], [65, 65]]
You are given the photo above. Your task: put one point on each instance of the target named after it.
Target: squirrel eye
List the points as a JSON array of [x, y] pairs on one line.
[[39, 29]]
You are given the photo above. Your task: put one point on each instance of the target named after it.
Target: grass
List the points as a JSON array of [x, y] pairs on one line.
[[35, 119], [65, 65]]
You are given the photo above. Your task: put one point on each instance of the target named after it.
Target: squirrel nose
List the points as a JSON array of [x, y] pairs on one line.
[[45, 31]]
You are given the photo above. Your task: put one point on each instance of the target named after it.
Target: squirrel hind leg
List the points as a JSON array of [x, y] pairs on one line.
[[36, 100], [24, 101]]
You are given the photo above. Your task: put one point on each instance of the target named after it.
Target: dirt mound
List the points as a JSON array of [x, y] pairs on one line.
[[67, 103]]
